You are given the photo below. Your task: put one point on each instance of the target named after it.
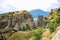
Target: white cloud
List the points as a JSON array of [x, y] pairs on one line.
[[10, 5]]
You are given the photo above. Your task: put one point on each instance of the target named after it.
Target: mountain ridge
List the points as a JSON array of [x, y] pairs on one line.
[[36, 12]]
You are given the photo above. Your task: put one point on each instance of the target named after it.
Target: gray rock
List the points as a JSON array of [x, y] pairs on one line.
[[56, 36]]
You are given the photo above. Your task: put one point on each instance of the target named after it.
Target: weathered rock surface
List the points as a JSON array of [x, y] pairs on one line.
[[14, 21], [56, 36], [41, 21], [20, 36], [50, 17]]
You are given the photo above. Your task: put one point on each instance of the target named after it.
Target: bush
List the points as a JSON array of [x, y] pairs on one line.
[[56, 17], [38, 33], [52, 26]]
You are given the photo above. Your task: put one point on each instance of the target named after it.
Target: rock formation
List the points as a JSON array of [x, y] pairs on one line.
[[56, 36], [41, 21], [14, 21], [20, 36], [53, 12]]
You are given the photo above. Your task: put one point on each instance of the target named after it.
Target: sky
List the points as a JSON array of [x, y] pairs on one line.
[[13, 5]]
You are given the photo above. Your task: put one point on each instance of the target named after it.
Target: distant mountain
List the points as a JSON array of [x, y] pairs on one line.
[[37, 12]]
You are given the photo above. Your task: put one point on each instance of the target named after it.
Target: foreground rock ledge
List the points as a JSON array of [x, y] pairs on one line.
[[56, 36]]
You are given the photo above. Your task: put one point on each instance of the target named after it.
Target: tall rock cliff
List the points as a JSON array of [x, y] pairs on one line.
[[54, 15], [15, 21], [41, 21]]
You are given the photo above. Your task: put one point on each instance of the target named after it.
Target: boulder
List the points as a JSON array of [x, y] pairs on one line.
[[20, 36], [56, 36]]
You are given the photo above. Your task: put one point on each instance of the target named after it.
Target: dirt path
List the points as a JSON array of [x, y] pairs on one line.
[[45, 35]]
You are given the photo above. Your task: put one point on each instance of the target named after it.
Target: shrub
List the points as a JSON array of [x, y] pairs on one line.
[[38, 33], [56, 17], [52, 26]]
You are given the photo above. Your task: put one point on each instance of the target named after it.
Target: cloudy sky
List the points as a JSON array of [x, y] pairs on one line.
[[13, 5]]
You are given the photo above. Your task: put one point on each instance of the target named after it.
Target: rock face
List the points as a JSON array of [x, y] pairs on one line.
[[15, 21], [40, 21], [49, 17], [56, 36], [20, 36]]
